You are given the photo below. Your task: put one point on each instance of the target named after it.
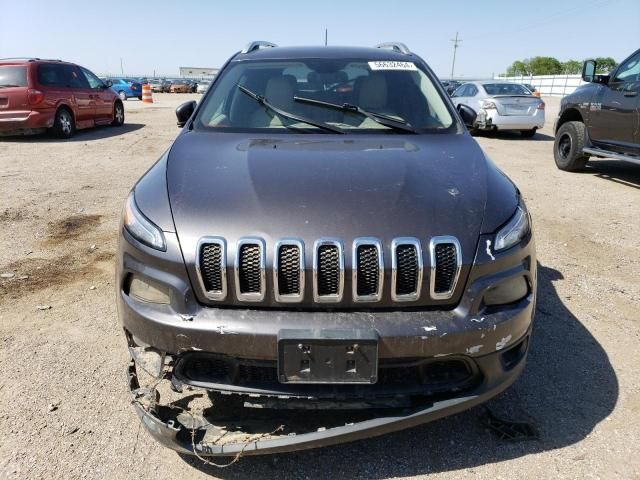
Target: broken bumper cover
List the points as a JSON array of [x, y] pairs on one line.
[[493, 340], [185, 440]]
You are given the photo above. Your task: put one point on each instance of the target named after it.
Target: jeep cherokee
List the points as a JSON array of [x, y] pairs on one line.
[[324, 254]]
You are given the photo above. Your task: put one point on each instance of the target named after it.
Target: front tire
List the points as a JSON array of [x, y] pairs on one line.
[[568, 145], [118, 115], [64, 126], [123, 96], [528, 133]]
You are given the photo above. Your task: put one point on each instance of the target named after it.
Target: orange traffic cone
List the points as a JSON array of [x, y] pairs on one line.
[[147, 96]]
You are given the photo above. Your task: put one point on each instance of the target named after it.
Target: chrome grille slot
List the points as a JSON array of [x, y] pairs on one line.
[[328, 268], [250, 270], [368, 270], [406, 269], [211, 265], [446, 262], [288, 271]]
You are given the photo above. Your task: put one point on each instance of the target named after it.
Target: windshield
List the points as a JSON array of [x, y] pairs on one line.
[[505, 89], [13, 76], [399, 93]]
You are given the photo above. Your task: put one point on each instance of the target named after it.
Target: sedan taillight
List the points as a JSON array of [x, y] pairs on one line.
[[541, 106], [488, 105], [34, 96]]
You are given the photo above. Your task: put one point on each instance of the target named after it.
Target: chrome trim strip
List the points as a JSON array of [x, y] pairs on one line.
[[252, 296], [408, 297], [328, 298], [375, 297], [288, 298], [217, 295], [432, 255]]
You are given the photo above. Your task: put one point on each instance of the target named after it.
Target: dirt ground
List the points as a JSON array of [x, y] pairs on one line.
[[64, 406]]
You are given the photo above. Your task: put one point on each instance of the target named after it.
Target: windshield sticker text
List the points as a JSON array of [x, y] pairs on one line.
[[391, 65]]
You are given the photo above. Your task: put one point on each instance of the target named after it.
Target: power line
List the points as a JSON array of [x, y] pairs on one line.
[[455, 48]]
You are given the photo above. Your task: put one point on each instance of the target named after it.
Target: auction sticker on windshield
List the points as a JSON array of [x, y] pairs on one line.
[[391, 65]]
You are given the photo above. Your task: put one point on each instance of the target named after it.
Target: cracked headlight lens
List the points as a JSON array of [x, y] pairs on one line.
[[140, 227], [515, 230]]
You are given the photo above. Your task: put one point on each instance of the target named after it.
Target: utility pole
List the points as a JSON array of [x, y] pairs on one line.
[[455, 47], [121, 68], [326, 34]]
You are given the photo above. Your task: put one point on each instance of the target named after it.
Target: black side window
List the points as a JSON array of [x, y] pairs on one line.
[[75, 79], [52, 75]]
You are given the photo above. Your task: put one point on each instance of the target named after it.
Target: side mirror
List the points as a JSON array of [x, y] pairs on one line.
[[108, 83], [468, 115], [589, 71], [184, 112]]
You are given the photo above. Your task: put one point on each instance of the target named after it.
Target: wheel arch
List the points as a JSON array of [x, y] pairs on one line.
[[569, 115]]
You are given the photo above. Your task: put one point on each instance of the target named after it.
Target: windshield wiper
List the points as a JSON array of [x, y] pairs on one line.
[[291, 116], [8, 85], [386, 120]]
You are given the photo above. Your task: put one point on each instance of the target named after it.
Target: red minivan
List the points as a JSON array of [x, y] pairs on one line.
[[38, 95]]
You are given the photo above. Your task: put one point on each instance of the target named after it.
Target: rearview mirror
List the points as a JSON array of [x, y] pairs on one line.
[[468, 115], [108, 83], [184, 112]]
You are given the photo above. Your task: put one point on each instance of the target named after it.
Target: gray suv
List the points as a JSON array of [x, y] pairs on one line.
[[324, 254]]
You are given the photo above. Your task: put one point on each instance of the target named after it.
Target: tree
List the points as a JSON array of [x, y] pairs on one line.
[[571, 67], [545, 66], [605, 64], [518, 68]]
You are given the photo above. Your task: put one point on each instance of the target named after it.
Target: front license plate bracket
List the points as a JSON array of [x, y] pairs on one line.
[[328, 356]]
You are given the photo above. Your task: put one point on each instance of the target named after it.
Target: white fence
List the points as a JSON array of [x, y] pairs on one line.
[[548, 85]]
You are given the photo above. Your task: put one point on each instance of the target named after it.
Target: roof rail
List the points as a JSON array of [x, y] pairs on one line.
[[395, 46], [257, 45]]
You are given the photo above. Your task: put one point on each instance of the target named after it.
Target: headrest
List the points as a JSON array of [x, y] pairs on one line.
[[373, 91], [280, 90]]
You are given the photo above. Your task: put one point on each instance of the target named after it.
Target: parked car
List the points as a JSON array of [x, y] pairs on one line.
[[38, 95], [203, 85], [450, 85], [166, 85], [502, 106], [602, 118], [305, 250], [127, 88], [156, 85], [180, 86]]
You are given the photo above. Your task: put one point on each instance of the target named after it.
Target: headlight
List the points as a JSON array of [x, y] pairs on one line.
[[140, 227], [514, 231]]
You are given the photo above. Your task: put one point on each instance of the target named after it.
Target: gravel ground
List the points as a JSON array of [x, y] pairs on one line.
[[64, 405]]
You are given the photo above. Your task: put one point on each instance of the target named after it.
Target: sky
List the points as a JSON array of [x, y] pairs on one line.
[[162, 35]]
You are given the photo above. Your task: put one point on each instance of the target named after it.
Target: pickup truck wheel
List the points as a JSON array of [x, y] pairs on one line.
[[567, 148]]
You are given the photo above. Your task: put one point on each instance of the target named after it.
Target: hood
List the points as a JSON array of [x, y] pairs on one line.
[[314, 186]]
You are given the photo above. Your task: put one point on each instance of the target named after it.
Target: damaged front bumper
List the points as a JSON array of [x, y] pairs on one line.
[[179, 428]]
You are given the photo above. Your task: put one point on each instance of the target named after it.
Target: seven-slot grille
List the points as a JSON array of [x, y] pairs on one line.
[[328, 269]]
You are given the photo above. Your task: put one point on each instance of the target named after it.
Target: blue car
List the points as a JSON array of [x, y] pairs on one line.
[[127, 88]]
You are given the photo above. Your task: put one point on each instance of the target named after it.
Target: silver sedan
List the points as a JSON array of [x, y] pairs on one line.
[[501, 106]]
